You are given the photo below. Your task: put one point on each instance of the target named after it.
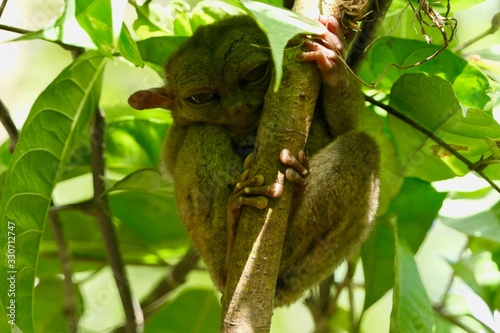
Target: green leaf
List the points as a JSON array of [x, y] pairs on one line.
[[194, 310], [469, 83], [411, 309], [391, 178], [156, 50], [464, 269], [154, 217], [128, 47], [430, 101], [209, 11], [5, 157], [494, 145], [414, 211], [280, 25], [134, 144], [95, 17], [377, 256], [65, 30], [485, 225], [54, 127], [152, 21], [49, 310], [456, 5]]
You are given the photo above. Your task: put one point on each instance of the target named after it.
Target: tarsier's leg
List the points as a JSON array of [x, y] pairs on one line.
[[252, 192], [334, 214]]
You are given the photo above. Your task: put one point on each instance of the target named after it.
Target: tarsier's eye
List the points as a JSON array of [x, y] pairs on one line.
[[202, 98], [256, 76]]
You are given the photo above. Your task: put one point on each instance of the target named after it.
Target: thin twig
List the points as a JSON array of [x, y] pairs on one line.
[[351, 268], [318, 305], [176, 276], [14, 29], [397, 114], [90, 258], [72, 48], [495, 25], [2, 7], [84, 206], [9, 125], [70, 304], [442, 303], [455, 321], [133, 314]]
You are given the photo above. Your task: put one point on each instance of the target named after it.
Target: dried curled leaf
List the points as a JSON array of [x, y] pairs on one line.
[[350, 12]]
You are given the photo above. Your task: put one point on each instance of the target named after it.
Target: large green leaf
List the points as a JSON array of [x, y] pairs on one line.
[[49, 310], [134, 143], [390, 170], [411, 307], [156, 50], [430, 101], [469, 83], [485, 224], [95, 17], [194, 310], [154, 218], [414, 211], [58, 120]]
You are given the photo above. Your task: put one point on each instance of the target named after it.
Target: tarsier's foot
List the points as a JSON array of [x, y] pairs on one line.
[[253, 192]]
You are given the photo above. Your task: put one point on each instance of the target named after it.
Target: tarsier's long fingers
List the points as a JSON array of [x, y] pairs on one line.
[[334, 38], [299, 166], [326, 51]]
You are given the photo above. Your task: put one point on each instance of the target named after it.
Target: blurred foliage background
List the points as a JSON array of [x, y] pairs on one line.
[[457, 260]]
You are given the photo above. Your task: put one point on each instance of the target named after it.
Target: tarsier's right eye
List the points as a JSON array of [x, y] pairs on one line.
[[256, 76], [202, 98]]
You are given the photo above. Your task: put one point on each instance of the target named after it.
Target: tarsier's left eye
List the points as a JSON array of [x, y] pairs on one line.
[[202, 98], [256, 76]]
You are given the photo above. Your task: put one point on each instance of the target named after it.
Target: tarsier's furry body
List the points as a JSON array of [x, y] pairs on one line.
[[215, 88]]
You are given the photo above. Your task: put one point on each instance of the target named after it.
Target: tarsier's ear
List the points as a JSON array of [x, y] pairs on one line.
[[150, 99]]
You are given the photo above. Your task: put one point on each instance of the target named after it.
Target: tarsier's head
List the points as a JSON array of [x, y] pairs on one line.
[[219, 76]]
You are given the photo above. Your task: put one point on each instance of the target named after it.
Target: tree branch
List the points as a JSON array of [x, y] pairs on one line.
[[9, 125], [176, 276], [70, 303], [133, 314], [248, 299], [369, 29], [420, 128], [2, 7], [249, 295]]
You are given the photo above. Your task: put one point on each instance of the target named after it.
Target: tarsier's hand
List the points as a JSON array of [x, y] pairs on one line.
[[253, 192], [327, 51]]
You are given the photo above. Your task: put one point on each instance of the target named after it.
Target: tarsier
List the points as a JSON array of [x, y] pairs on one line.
[[215, 88]]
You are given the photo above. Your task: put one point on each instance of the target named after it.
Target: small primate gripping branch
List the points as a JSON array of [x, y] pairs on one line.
[[236, 143]]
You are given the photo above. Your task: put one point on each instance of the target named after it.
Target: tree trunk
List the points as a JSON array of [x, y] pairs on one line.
[[249, 294]]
